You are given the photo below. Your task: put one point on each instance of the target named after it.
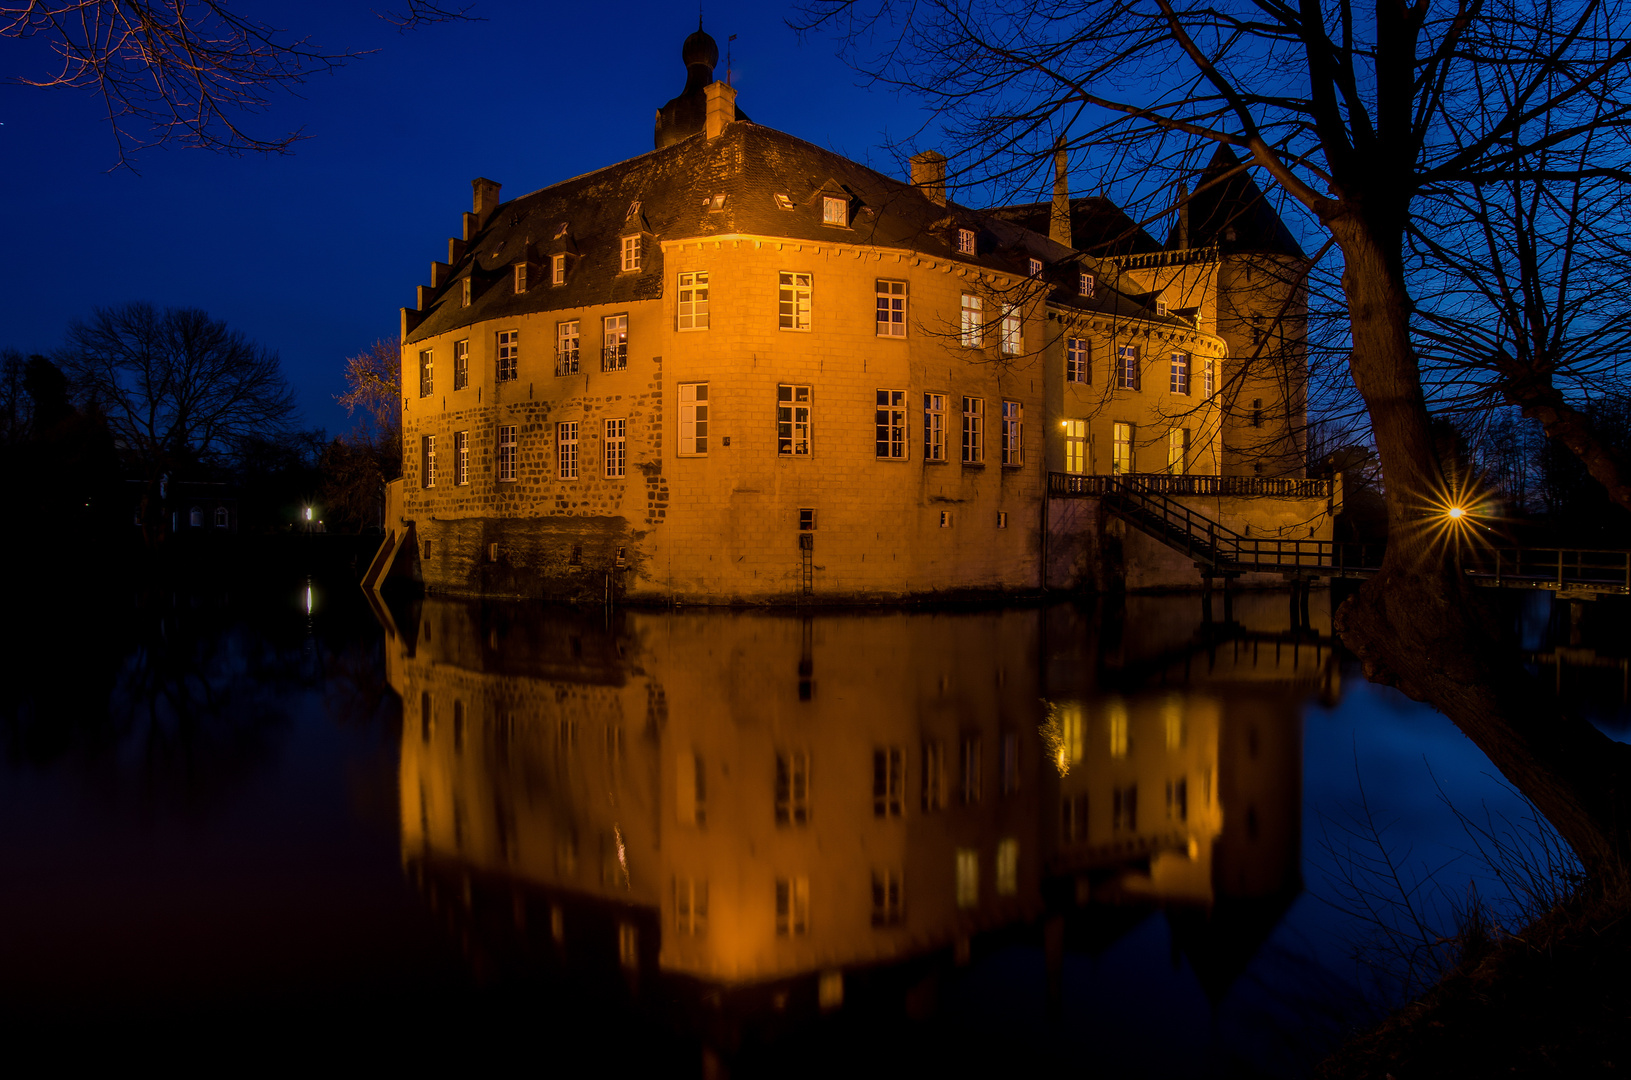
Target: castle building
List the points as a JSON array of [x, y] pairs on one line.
[[741, 368]]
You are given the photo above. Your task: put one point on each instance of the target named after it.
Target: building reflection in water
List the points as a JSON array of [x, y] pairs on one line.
[[773, 808]]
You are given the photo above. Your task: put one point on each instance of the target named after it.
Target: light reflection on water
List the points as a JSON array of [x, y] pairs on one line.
[[755, 841]]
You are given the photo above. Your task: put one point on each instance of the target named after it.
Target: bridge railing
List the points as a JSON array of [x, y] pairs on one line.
[[1565, 566], [1066, 485]]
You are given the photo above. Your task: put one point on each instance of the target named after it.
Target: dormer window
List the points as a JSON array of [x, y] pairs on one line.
[[464, 295], [557, 270], [631, 252], [520, 278], [965, 241], [834, 211], [1085, 284], [1036, 268], [1160, 307], [783, 202]]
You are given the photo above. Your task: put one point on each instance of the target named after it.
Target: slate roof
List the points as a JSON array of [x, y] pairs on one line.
[[1098, 226], [1222, 202], [676, 188]]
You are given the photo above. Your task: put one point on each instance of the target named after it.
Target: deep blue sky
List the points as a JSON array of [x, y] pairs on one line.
[[312, 253]]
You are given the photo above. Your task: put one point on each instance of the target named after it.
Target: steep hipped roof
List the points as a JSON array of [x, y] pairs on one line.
[[1225, 199]]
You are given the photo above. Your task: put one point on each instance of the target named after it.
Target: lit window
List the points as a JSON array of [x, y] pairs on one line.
[[973, 327], [886, 897], [1177, 451], [465, 295], [1012, 432], [1085, 284], [427, 455], [965, 241], [690, 906], [783, 202], [792, 906], [934, 427], [616, 448], [945, 519], [520, 278], [1007, 867], [793, 311], [509, 354], [934, 775], [973, 430], [793, 788], [567, 342], [968, 769], [834, 211], [461, 364], [693, 419], [566, 450], [1207, 376], [891, 308], [888, 782], [1011, 335], [1179, 381], [1075, 446], [1128, 375], [793, 420], [1160, 307], [557, 270], [1002, 519], [1172, 715], [1036, 268], [1076, 365], [506, 452], [631, 252], [693, 301], [891, 425], [968, 877], [614, 352], [1119, 728], [427, 373], [461, 457], [1122, 439]]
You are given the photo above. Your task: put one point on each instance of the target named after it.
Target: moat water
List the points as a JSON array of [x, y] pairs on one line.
[[1124, 836]]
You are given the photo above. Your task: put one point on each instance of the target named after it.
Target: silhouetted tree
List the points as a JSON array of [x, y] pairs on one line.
[[357, 466]]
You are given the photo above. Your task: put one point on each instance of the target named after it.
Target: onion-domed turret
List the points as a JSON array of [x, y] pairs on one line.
[[687, 114]]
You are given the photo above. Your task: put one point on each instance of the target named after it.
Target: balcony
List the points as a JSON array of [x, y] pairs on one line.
[[615, 357], [566, 362]]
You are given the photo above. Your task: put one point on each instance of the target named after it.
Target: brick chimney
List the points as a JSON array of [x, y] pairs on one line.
[[721, 98], [1059, 230], [485, 199], [929, 175]]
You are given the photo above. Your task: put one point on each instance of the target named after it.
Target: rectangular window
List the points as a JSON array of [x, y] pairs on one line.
[[1179, 381], [891, 425], [888, 782], [506, 453], [427, 373], [1178, 799], [461, 457], [793, 304], [1076, 366], [965, 241], [886, 897], [973, 430], [520, 278], [557, 270], [1007, 867], [891, 308], [793, 420], [1011, 334], [1207, 370], [1085, 284], [509, 354], [466, 292], [1127, 368], [690, 906], [973, 325], [793, 788], [566, 450], [1075, 445], [968, 768], [834, 211], [968, 877], [616, 448], [461, 364], [631, 253], [792, 906], [693, 292], [427, 455], [1012, 434], [1124, 808], [807, 519], [1177, 451], [1036, 268], [567, 342], [1121, 460], [934, 427], [934, 775], [614, 336], [693, 419]]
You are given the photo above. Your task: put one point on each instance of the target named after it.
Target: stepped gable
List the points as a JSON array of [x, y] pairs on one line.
[[773, 185], [1222, 202]]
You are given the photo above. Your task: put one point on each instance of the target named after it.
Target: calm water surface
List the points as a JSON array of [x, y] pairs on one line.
[[1111, 837]]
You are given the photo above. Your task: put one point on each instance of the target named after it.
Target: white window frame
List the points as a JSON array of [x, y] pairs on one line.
[[690, 906], [794, 415], [1076, 446], [1121, 448], [509, 355], [888, 905], [891, 308], [466, 293], [427, 460], [1086, 285], [834, 211], [616, 430], [566, 450], [614, 339], [1013, 434], [631, 253], [1161, 309], [973, 430], [427, 372], [1177, 451], [1129, 369], [968, 878], [568, 347], [1178, 374], [461, 457], [1007, 866], [792, 906], [890, 422], [461, 364], [1208, 376], [557, 269], [1078, 365], [693, 398], [965, 241], [934, 426], [693, 300], [795, 300], [1011, 335], [973, 324], [507, 453], [1036, 268], [792, 787], [520, 278]]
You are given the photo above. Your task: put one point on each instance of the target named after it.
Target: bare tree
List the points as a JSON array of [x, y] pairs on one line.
[[176, 387], [357, 466], [1367, 119]]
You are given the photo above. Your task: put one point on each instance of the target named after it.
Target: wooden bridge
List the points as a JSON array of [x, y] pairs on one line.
[[1149, 503]]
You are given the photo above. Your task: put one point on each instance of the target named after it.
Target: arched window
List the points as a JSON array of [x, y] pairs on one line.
[[220, 517], [196, 518]]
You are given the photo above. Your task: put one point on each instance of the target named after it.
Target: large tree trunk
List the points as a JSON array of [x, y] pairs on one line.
[[1420, 625]]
